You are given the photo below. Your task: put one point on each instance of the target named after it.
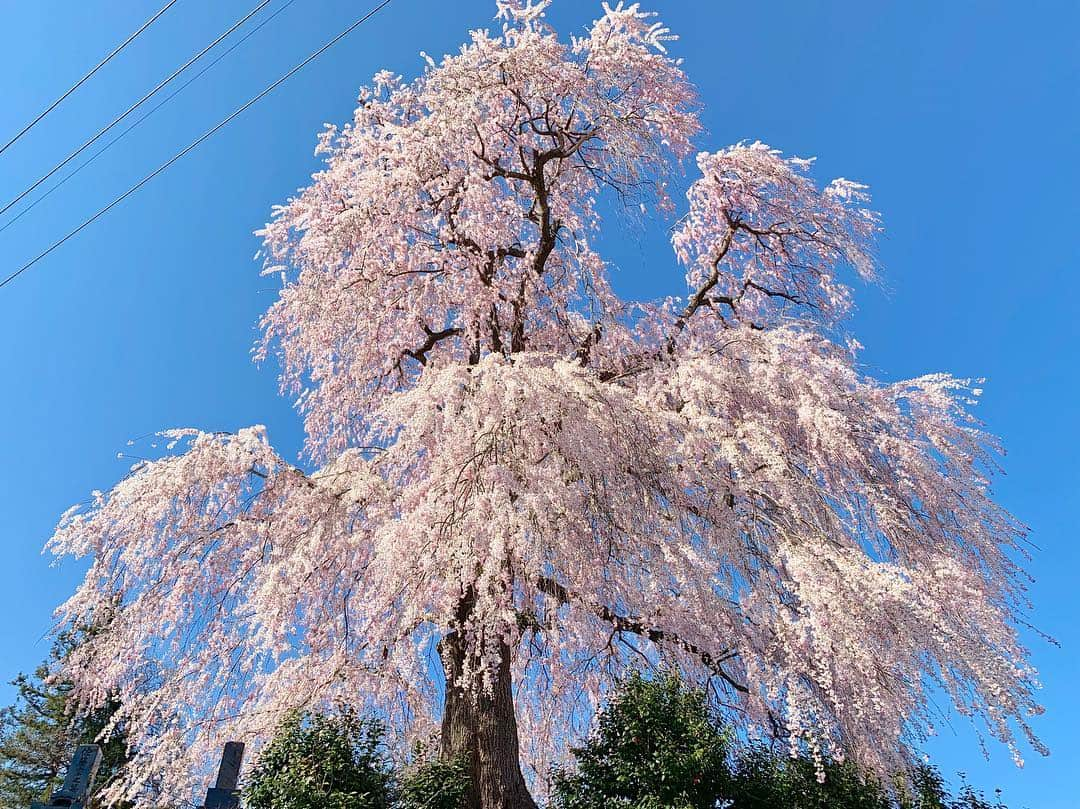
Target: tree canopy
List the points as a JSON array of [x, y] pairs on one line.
[[517, 477]]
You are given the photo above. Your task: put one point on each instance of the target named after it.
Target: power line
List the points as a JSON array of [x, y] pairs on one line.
[[209, 133], [81, 81], [145, 115], [135, 106]]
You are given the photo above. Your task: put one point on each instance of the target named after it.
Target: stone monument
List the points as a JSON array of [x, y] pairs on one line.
[[224, 794], [79, 781]]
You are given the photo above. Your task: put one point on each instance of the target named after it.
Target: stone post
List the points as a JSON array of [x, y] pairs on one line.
[[79, 781], [224, 794]]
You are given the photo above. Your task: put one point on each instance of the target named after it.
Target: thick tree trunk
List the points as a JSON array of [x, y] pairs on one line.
[[481, 727]]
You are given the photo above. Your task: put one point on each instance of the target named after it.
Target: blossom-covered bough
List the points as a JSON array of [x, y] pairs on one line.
[[519, 485]]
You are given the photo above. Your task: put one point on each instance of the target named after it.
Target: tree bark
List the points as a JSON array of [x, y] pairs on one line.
[[479, 725]]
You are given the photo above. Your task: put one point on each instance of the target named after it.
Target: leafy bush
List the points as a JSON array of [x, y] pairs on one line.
[[761, 779], [320, 761], [339, 761], [655, 745], [432, 783]]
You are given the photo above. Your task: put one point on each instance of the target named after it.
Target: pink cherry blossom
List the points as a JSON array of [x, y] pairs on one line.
[[523, 482]]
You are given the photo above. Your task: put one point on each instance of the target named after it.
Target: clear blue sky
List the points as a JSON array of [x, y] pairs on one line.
[[963, 116]]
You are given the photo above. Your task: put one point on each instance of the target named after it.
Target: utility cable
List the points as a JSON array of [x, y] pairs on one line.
[[206, 135], [145, 115], [93, 139], [81, 81]]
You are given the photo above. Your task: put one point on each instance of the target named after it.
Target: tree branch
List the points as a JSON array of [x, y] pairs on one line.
[[433, 338], [635, 626]]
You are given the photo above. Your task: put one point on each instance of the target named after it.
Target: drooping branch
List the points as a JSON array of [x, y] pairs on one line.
[[635, 626]]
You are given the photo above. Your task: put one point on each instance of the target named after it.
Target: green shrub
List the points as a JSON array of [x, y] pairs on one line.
[[432, 783], [762, 779], [320, 761], [655, 745]]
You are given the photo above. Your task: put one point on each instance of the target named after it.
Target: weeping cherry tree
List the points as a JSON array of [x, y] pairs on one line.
[[516, 484]]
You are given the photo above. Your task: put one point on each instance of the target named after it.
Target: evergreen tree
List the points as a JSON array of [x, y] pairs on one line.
[[39, 732], [761, 778], [35, 740]]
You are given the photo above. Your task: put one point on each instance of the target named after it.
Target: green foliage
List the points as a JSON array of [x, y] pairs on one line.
[[39, 733], [927, 790], [432, 783], [35, 740], [655, 745], [762, 779], [339, 761], [323, 762]]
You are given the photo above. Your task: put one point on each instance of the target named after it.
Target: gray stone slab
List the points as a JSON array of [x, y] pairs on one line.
[[229, 771], [78, 782], [224, 794], [221, 799]]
